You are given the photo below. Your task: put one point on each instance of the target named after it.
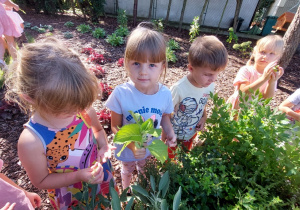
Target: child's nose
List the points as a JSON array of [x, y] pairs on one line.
[[143, 69]]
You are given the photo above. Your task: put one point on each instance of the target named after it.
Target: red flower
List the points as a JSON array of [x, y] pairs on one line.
[[104, 117], [88, 50], [106, 90], [120, 62]]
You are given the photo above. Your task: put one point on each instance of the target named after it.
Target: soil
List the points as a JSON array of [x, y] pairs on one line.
[[12, 119]]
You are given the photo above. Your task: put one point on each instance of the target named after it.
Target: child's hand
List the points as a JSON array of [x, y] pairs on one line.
[[34, 198], [8, 206], [277, 73], [269, 70], [92, 175], [139, 153], [105, 153], [201, 123], [171, 140]]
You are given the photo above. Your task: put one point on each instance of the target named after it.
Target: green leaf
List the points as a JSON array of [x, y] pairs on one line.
[[137, 117], [129, 132], [164, 204], [147, 125], [129, 204], [152, 182], [155, 132], [124, 146], [123, 196], [177, 199], [139, 189], [115, 201], [159, 150], [163, 181]]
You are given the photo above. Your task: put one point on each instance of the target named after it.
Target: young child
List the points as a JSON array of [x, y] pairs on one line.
[[260, 72], [9, 29], [207, 58], [13, 196], [291, 106], [145, 63], [63, 144]]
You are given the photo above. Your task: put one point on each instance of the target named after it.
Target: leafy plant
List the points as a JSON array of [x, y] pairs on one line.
[[114, 39], [83, 28], [250, 160], [29, 37], [173, 45], [69, 24], [245, 47], [232, 36], [171, 57], [1, 78], [122, 18], [159, 24], [194, 28], [138, 133], [155, 198], [68, 35], [122, 31], [27, 25], [98, 32]]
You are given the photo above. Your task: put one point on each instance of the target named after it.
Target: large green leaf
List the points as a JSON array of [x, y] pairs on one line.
[[115, 201], [140, 190], [155, 132], [129, 204], [177, 199], [130, 132], [159, 150], [164, 181]]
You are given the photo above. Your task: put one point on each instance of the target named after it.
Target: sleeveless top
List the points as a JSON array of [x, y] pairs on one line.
[[67, 150]]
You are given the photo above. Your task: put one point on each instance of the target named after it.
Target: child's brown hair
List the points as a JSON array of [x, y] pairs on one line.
[[144, 44], [50, 78], [208, 51]]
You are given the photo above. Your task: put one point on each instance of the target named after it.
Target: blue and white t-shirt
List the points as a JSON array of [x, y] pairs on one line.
[[126, 97]]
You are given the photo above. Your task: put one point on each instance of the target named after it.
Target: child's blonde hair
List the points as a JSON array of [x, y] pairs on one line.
[[144, 44], [50, 78], [208, 51], [274, 43]]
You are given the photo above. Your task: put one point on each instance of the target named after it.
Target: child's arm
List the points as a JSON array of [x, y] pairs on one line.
[[34, 198], [34, 160], [286, 106], [168, 130], [11, 4], [275, 75], [201, 123], [100, 136]]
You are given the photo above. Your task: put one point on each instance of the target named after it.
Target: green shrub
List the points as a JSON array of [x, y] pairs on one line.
[[159, 25], [122, 18], [245, 48], [232, 36], [98, 32], [122, 31], [41, 30], [114, 40], [69, 24], [173, 45], [171, 57], [83, 28], [250, 160], [27, 25], [68, 35], [194, 29]]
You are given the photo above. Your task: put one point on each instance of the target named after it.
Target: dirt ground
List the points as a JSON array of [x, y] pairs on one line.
[[11, 118]]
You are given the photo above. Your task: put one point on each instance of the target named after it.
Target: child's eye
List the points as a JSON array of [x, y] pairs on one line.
[[136, 63], [152, 65]]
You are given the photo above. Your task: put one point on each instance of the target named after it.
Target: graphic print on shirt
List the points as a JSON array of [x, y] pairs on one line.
[[58, 150], [187, 116]]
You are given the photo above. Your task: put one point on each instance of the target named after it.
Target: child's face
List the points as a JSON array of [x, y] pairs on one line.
[[265, 56], [202, 76], [145, 75]]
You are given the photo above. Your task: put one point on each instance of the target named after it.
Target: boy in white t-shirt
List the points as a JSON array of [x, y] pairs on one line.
[[291, 106], [207, 58]]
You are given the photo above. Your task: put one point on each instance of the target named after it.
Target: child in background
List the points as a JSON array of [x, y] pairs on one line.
[[63, 144], [10, 29], [207, 58], [261, 71], [145, 62], [291, 106], [13, 196]]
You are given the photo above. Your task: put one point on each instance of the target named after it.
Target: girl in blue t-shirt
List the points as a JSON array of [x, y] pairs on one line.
[[145, 63]]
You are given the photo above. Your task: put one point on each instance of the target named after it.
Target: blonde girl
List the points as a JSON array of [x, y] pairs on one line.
[[262, 71], [145, 63], [63, 143]]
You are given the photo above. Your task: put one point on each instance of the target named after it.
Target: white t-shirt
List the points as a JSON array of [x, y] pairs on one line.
[[126, 97], [189, 103]]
